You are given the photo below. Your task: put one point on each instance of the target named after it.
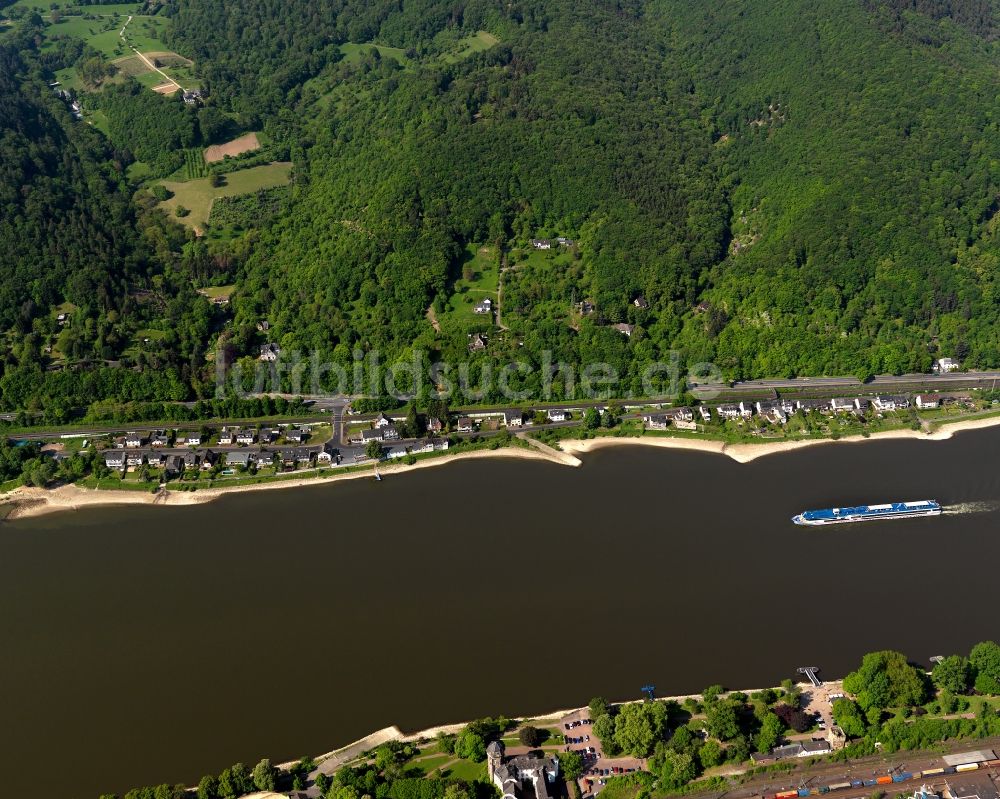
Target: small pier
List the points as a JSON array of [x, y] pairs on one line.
[[810, 672]]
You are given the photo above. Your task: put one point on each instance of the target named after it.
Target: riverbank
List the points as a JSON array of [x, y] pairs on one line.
[[25, 502], [28, 502], [747, 452]]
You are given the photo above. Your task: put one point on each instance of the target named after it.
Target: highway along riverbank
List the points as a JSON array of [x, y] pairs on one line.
[[149, 644]]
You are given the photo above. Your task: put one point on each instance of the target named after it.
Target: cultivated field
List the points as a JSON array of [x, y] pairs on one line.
[[244, 144], [198, 195]]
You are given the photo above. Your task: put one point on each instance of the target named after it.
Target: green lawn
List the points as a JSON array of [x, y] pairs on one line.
[[467, 293], [197, 195], [428, 764], [213, 292], [467, 770]]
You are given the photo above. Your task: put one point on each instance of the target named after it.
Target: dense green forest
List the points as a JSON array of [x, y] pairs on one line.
[[791, 187]]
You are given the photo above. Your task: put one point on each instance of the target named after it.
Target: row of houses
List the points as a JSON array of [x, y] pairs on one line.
[[176, 461], [780, 409], [227, 437]]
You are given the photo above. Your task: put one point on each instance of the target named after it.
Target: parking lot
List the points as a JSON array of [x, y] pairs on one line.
[[578, 731]]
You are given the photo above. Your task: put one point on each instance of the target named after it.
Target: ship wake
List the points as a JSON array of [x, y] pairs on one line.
[[973, 507]]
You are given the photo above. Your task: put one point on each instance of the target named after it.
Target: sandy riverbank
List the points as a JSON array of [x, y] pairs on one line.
[[745, 453], [31, 502]]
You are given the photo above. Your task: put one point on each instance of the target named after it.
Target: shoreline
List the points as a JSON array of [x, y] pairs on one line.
[[33, 502], [330, 761], [746, 453]]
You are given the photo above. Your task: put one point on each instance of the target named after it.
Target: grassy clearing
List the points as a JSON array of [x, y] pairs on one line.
[[485, 275], [477, 43], [353, 53], [197, 195], [217, 292]]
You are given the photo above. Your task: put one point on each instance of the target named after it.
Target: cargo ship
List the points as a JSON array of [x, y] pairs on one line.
[[864, 513]]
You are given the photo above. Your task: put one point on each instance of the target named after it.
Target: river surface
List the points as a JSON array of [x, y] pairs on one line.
[[146, 644]]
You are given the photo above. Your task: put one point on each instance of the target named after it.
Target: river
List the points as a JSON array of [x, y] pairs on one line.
[[143, 644]]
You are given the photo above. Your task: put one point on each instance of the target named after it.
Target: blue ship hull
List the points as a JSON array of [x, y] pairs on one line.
[[864, 513]]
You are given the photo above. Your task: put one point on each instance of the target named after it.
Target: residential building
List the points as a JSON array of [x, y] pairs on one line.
[[382, 421], [155, 459], [728, 411], [134, 440], [134, 457], [844, 404], [420, 447], [890, 403], [296, 435], [226, 436], [513, 418], [399, 451], [191, 459], [159, 440], [174, 465], [706, 414], [208, 460], [263, 325], [434, 425], [624, 328], [477, 342], [640, 302], [375, 434], [269, 352], [390, 433], [484, 306], [684, 414], [927, 401], [189, 439], [239, 457], [655, 421], [685, 424], [555, 415], [541, 244], [246, 436], [944, 366], [114, 458], [465, 424], [565, 242], [441, 444], [192, 96], [267, 435]]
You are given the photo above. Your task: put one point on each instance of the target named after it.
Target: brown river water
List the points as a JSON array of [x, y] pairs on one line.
[[146, 644]]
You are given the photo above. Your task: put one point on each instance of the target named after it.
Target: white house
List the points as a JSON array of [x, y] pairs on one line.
[[656, 421], [465, 424], [927, 401], [134, 440], [890, 403], [683, 414], [269, 352], [246, 436], [541, 244], [513, 418], [746, 409], [728, 411], [943, 366], [397, 452], [420, 447], [226, 436], [706, 414], [521, 777], [555, 415], [484, 306], [843, 404], [383, 421], [624, 328]]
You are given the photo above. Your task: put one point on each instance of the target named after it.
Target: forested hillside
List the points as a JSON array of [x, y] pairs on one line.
[[783, 187]]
